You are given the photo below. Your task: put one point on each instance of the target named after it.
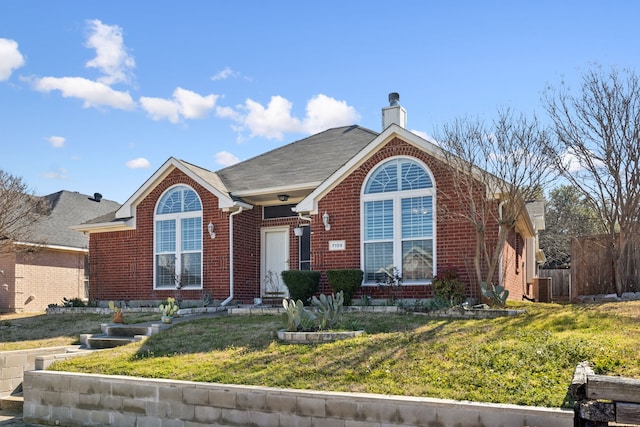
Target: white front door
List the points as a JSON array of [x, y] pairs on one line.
[[275, 259]]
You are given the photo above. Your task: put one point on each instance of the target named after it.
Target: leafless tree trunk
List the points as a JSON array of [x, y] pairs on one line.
[[599, 133], [496, 169], [19, 211]]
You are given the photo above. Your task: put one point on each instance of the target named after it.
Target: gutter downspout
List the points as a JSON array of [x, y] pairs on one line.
[[230, 298], [306, 218], [500, 266]]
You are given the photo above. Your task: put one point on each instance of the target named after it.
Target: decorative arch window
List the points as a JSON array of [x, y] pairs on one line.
[[398, 222], [178, 239]]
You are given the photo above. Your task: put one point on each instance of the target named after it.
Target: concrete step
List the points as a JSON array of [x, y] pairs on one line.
[[101, 341], [13, 403], [126, 330]]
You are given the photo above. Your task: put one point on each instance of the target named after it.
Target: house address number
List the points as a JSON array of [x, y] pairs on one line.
[[337, 245]]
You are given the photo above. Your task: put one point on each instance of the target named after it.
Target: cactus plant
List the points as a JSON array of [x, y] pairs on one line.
[[292, 316], [329, 308], [496, 294]]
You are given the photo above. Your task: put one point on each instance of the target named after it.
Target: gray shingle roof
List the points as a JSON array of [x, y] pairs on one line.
[[69, 209], [309, 160]]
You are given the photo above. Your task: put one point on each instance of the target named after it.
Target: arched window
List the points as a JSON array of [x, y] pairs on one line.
[[178, 239], [398, 222]]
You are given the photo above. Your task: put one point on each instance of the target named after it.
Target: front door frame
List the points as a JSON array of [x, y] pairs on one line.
[[268, 256]]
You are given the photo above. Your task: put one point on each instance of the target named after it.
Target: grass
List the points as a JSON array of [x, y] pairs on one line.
[[526, 360]]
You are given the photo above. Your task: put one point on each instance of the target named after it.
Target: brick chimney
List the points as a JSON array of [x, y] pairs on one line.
[[394, 113]]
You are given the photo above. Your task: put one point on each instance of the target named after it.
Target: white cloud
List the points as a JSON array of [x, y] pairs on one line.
[[273, 121], [184, 104], [10, 58], [224, 74], [225, 158], [60, 174], [322, 112], [56, 141], [139, 163], [94, 94], [161, 109], [193, 105], [112, 58]]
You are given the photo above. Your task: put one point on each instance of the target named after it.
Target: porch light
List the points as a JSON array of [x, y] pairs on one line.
[[283, 197], [325, 221], [210, 230]]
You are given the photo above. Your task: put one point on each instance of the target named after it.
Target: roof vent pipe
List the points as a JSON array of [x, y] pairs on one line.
[[394, 99]]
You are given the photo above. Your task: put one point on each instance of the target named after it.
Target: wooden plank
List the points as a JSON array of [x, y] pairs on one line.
[[579, 381], [627, 413], [601, 412], [620, 389]]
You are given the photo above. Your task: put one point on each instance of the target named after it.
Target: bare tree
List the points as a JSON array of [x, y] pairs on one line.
[[496, 169], [599, 133], [19, 212]]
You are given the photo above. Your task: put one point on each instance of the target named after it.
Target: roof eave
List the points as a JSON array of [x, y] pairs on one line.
[[310, 203], [106, 227], [128, 208]]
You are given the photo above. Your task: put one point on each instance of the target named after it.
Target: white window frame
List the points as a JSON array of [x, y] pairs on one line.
[[396, 197], [177, 217]]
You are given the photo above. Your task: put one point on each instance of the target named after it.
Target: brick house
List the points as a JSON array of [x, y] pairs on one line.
[[347, 197], [56, 268]]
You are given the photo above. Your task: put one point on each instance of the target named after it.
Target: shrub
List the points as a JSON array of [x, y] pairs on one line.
[[447, 287], [347, 281], [73, 302], [302, 284]]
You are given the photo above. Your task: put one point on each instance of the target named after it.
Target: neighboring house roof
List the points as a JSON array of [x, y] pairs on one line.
[[67, 209], [536, 213]]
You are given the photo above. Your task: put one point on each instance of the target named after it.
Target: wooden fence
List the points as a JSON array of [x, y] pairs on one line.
[[592, 270], [560, 283]]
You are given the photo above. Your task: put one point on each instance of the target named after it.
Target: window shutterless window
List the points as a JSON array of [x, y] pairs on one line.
[[398, 222], [178, 239]]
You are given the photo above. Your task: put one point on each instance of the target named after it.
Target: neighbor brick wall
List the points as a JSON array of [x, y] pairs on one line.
[[46, 277], [7, 282]]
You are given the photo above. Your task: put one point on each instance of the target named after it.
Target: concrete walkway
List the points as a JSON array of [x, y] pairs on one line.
[[13, 418]]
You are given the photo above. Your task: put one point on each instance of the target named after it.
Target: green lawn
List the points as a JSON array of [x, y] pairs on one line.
[[527, 359]]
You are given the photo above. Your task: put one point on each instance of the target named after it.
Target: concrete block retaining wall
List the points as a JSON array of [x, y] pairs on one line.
[[72, 399], [14, 363]]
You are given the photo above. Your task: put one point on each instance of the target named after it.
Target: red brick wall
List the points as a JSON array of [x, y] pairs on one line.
[[455, 237], [122, 262], [246, 254], [514, 273]]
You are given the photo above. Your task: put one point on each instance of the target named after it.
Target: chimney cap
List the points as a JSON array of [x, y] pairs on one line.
[[394, 99]]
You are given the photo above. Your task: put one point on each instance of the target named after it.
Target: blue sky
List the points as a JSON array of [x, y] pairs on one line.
[[95, 96]]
